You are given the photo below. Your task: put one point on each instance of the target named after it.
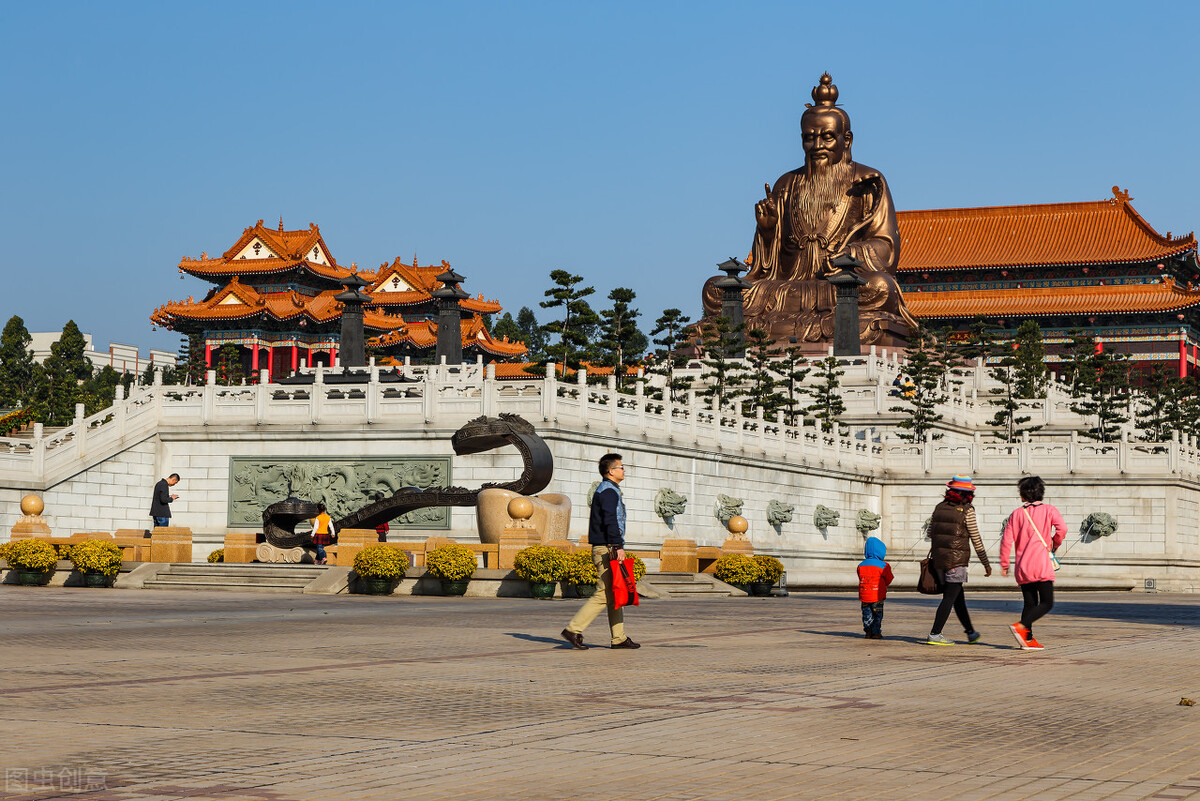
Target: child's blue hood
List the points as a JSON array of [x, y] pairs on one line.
[[875, 552]]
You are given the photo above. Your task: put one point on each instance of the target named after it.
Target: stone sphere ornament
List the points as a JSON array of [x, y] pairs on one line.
[[738, 525], [520, 508], [32, 505]]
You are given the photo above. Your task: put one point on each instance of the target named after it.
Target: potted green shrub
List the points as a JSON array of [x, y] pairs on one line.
[[379, 568], [98, 561], [454, 565], [771, 570], [541, 566], [582, 573], [738, 570], [33, 560]]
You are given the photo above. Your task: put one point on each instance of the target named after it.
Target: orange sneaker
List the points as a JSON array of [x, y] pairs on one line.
[[1020, 633], [1033, 645]]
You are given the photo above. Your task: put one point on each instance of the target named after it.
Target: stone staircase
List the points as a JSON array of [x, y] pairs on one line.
[[691, 585], [219, 576]]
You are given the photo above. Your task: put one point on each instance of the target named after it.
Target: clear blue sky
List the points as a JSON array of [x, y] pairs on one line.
[[625, 142]]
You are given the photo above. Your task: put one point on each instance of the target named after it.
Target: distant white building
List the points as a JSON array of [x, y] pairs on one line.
[[122, 358]]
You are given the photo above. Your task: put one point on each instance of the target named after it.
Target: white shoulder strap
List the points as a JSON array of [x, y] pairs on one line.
[[1029, 517]]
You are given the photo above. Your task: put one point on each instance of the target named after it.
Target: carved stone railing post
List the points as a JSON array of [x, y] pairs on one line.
[[1123, 451], [208, 396], [488, 392], [430, 391], [374, 393], [1023, 453], [262, 395], [976, 454], [692, 413], [639, 392], [550, 393], [584, 401], [39, 453], [1173, 452], [119, 410], [927, 453], [80, 432], [317, 398], [1073, 452]]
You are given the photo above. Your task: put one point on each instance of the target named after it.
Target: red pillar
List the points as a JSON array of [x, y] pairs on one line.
[[254, 359], [332, 355], [1099, 345], [207, 356], [295, 358], [270, 363], [310, 363], [1182, 356]]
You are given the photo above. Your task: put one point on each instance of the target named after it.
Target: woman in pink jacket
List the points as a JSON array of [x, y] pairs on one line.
[[1028, 529]]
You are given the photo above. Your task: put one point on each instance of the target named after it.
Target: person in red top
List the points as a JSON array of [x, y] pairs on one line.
[[874, 576]]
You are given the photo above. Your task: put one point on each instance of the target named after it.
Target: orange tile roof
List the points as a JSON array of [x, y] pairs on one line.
[[280, 305], [423, 334], [423, 280], [1099, 232], [288, 250], [1045, 301]]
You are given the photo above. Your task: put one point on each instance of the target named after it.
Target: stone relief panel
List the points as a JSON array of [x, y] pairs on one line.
[[343, 485]]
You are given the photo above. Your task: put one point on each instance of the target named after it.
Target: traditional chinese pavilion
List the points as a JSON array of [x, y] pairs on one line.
[[274, 298], [1093, 266]]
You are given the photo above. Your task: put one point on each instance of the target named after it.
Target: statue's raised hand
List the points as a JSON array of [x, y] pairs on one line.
[[765, 210]]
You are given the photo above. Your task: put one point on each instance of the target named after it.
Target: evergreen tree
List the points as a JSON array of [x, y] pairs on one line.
[[761, 381], [506, 326], [1161, 407], [978, 341], [925, 373], [531, 334], [190, 368], [827, 405], [229, 366], [723, 373], [1103, 392], [65, 370], [669, 357], [578, 324], [793, 367], [16, 364], [1078, 368], [949, 357], [621, 342], [1030, 361], [1008, 423], [99, 390]]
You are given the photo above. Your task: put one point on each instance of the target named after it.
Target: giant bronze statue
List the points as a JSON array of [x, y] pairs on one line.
[[829, 208]]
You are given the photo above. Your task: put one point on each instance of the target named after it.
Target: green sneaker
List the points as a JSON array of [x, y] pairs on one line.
[[973, 637], [937, 639]]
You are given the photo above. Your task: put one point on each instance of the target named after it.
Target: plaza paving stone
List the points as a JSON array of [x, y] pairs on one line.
[[157, 695]]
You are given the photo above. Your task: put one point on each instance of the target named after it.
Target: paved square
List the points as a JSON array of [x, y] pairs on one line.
[[155, 695]]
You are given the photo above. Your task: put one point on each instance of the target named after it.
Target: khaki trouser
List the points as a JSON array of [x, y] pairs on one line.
[[601, 599]]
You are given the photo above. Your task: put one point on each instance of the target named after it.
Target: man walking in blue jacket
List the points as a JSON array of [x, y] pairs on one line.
[[606, 535]]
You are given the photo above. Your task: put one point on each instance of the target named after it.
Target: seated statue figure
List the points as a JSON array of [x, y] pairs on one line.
[[830, 207]]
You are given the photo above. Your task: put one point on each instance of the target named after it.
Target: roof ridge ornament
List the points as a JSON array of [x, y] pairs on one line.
[[1121, 194], [825, 94]]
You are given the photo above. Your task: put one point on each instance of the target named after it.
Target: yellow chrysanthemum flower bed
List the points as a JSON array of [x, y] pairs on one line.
[[217, 556], [31, 555], [380, 561], [639, 568], [771, 567], [581, 569], [452, 562], [540, 564], [736, 568], [96, 556]]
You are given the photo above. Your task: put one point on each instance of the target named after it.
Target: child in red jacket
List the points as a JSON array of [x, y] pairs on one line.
[[874, 576]]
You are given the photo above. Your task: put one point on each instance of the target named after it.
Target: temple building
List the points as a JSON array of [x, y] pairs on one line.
[[1091, 266], [274, 299]]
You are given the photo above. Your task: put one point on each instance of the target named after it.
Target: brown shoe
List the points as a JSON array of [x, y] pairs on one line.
[[575, 639], [626, 643]]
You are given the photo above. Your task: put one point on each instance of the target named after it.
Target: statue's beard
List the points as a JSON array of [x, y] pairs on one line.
[[820, 188]]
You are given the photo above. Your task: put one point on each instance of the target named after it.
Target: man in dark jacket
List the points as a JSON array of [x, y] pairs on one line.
[[160, 504], [606, 535]]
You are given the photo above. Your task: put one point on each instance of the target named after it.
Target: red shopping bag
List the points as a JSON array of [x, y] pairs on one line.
[[623, 583]]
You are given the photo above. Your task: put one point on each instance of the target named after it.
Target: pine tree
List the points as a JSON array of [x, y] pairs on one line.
[[794, 368], [1008, 423], [827, 405], [668, 358], [621, 342], [926, 375], [761, 381], [531, 334], [65, 369], [1103, 393], [99, 390], [1030, 361], [578, 324], [949, 357], [1078, 368], [506, 326], [16, 364], [1159, 408], [190, 367], [229, 366], [978, 341], [723, 373]]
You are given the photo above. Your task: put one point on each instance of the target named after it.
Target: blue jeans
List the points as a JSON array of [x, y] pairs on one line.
[[162, 521], [872, 617], [320, 552]]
